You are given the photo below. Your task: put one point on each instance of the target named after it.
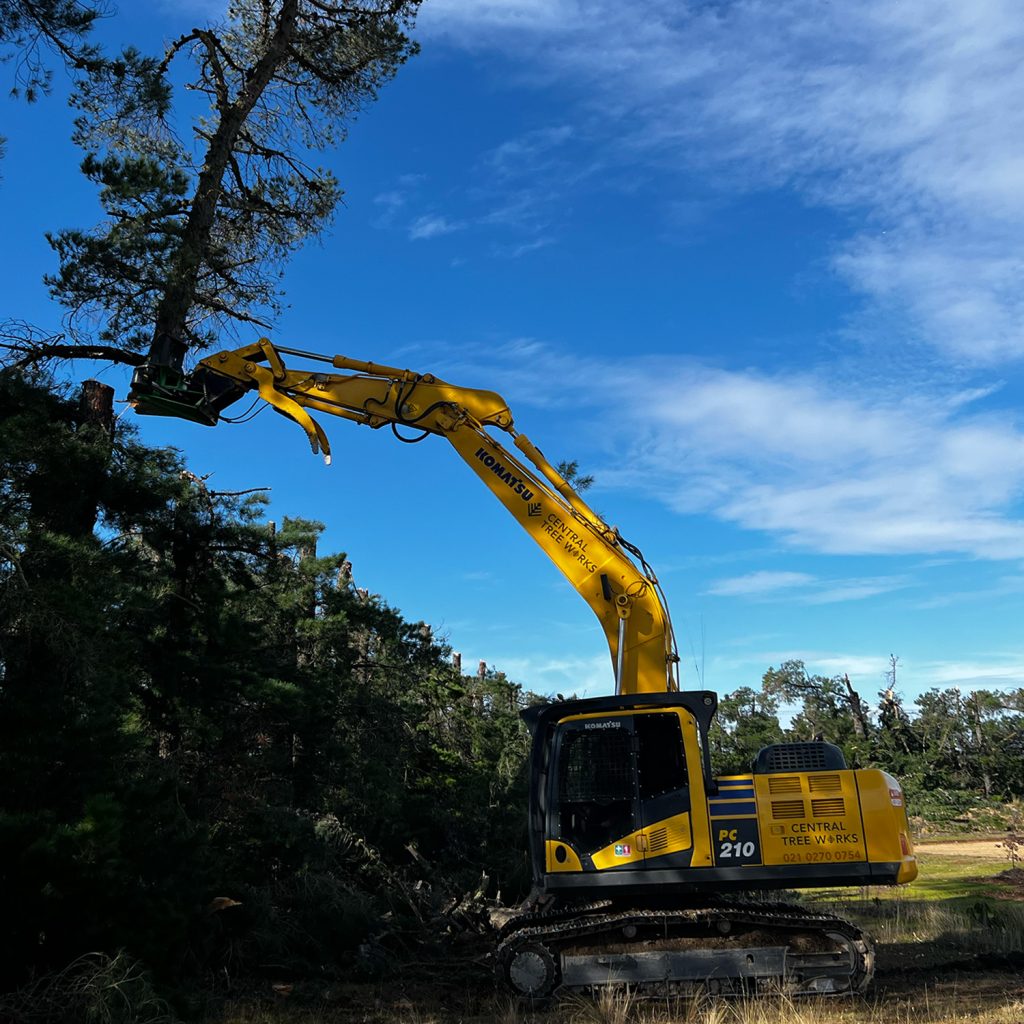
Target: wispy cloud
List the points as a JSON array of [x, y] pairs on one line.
[[521, 185], [838, 591], [513, 252], [909, 114], [432, 226], [458, 16], [528, 153], [830, 468], [803, 588], [757, 584], [580, 675], [862, 473], [1000, 589], [390, 205], [1000, 672]]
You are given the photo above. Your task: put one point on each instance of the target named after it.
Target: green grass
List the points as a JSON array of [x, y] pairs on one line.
[[940, 877], [955, 908]]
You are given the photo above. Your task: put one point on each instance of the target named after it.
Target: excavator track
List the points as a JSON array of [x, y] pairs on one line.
[[723, 949]]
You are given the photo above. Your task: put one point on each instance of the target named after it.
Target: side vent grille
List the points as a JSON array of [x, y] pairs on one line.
[[658, 840], [788, 809], [834, 808], [784, 784], [825, 783]]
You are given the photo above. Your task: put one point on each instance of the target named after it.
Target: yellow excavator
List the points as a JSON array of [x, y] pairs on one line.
[[643, 860]]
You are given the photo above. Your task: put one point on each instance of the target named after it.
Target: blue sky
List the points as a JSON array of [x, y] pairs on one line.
[[755, 265]]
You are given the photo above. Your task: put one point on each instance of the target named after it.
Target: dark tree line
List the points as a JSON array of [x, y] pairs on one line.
[[197, 711]]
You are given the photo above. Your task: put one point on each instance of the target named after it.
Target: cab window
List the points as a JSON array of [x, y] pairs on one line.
[[661, 760]]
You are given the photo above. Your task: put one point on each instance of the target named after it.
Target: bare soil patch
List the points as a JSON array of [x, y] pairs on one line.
[[985, 849], [1012, 883]]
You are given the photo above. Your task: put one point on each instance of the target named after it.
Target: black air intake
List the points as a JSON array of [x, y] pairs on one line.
[[799, 757]]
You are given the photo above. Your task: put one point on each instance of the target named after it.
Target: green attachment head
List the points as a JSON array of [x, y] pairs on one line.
[[160, 390]]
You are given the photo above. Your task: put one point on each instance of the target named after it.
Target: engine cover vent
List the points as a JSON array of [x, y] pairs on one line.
[[825, 784], [799, 757], [834, 807], [788, 809]]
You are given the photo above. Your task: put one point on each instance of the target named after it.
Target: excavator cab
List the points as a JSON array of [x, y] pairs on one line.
[[617, 781]]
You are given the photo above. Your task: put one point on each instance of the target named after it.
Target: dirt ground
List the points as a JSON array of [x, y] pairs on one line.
[[987, 849]]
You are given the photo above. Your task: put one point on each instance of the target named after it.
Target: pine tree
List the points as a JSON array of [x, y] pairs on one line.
[[194, 237]]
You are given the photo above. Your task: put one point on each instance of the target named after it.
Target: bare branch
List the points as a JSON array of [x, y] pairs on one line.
[[44, 352]]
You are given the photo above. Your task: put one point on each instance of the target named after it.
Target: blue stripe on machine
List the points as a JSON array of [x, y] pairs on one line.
[[735, 794], [730, 809], [748, 781]]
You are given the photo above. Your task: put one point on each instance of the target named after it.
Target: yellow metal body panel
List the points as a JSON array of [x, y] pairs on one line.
[[569, 862], [809, 818], [672, 835], [699, 823], [627, 850], [885, 822]]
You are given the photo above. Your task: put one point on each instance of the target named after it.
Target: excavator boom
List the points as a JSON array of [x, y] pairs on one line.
[[609, 573]]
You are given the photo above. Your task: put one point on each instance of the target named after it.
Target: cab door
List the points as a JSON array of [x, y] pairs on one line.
[[663, 789], [594, 806]]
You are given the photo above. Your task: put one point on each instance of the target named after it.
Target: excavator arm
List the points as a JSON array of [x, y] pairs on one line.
[[609, 573]]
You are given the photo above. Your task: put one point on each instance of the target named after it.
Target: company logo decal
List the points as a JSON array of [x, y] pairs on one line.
[[505, 474]]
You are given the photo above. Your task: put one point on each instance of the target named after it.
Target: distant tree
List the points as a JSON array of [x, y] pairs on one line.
[[194, 236], [825, 704], [897, 746], [747, 720], [942, 726], [580, 482], [996, 730]]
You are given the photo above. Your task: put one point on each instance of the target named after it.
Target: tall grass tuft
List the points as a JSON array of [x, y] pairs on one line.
[[609, 1006], [94, 989], [981, 927]]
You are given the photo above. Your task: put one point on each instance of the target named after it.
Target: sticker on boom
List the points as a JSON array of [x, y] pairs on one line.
[[623, 850], [517, 484]]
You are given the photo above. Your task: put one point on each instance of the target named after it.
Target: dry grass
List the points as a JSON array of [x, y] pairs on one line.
[[994, 999], [956, 911], [96, 989], [930, 1007], [970, 927]]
